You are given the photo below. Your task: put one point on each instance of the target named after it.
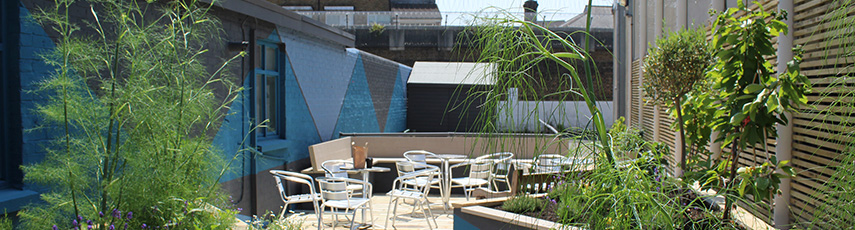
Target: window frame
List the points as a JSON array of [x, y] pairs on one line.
[[262, 75]]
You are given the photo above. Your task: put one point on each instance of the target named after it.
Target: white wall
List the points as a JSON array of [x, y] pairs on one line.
[[523, 115]]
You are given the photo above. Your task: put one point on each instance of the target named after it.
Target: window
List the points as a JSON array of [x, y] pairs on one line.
[[267, 89], [10, 98]]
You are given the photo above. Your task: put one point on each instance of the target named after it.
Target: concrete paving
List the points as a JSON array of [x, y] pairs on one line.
[[405, 218]]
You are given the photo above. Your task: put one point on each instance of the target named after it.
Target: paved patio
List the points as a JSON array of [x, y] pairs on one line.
[[404, 220]]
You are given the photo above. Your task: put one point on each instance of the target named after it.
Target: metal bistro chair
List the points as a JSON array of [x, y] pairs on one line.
[[419, 156], [401, 189], [333, 168], [501, 168], [406, 167], [299, 178], [479, 176], [336, 196], [549, 163]]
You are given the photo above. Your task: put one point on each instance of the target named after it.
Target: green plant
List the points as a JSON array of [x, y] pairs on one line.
[[523, 204], [271, 221], [671, 70], [754, 101], [134, 105], [377, 29], [516, 49]]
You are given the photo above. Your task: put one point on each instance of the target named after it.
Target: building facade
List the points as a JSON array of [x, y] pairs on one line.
[[308, 80]]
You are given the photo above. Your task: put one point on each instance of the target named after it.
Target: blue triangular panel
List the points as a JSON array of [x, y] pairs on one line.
[[323, 73], [397, 119], [357, 112]]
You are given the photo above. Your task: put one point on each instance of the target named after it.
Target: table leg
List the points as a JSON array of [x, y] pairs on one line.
[[446, 184]]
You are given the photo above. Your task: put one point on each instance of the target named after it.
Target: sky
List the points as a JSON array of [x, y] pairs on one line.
[[552, 9]]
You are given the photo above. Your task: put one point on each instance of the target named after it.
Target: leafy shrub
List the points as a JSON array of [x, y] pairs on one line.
[[134, 106], [523, 204]]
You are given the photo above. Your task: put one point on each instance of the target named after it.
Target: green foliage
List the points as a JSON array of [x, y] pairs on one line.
[[626, 141], [516, 48], [671, 70], [5, 222], [271, 221], [134, 106], [675, 64], [377, 29], [751, 98], [836, 198], [523, 204]]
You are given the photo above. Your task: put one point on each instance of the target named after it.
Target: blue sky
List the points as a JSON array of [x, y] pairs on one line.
[[552, 9]]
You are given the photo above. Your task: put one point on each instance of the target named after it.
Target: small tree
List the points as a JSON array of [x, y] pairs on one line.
[[672, 69], [751, 100]]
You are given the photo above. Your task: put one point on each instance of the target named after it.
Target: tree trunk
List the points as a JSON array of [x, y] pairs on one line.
[[728, 200], [682, 135]]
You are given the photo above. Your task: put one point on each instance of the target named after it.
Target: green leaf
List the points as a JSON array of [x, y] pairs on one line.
[[753, 88], [762, 183]]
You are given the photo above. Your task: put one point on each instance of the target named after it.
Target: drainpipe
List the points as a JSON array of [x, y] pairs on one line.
[[253, 197], [641, 49], [784, 146], [657, 32], [682, 16], [715, 147]]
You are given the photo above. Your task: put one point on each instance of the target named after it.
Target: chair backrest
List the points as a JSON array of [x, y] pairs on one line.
[[333, 188], [419, 156], [549, 162], [426, 175], [480, 169], [501, 162], [404, 167], [280, 175], [333, 168]]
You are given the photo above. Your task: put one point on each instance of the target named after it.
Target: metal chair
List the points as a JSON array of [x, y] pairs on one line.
[[549, 163], [299, 178], [419, 156], [336, 196], [479, 175], [333, 168], [501, 168], [401, 189]]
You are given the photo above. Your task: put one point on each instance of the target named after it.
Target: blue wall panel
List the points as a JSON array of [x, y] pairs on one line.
[[357, 113], [34, 43], [323, 71], [397, 117]]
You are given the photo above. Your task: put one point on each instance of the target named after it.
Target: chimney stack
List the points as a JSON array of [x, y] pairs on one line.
[[530, 7]]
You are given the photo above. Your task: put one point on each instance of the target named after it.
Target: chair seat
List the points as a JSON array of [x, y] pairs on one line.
[[405, 194], [421, 182], [354, 187], [466, 181], [300, 198], [346, 204]]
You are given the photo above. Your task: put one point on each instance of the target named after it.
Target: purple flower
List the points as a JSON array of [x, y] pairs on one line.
[[112, 227], [126, 226], [117, 213], [553, 201], [144, 226], [130, 215], [74, 223], [239, 209], [55, 227], [89, 227], [79, 217], [101, 214], [89, 222]]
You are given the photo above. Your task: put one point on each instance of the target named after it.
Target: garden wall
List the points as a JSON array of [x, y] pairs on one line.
[[819, 132]]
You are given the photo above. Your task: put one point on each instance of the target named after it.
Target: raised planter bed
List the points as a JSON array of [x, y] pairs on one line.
[[478, 214]]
